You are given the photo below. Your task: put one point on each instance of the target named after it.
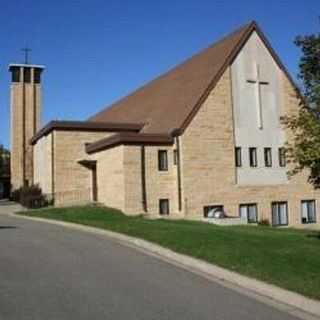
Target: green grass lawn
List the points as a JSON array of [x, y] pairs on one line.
[[285, 257]]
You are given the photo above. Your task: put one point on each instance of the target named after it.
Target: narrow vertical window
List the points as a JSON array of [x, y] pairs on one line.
[[238, 158], [308, 211], [268, 157], [253, 157], [163, 160], [164, 209], [282, 157]]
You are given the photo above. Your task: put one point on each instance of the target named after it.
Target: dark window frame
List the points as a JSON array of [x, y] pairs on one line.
[[315, 211], [238, 156], [163, 162], [206, 209], [161, 213], [287, 213], [253, 157], [282, 157], [267, 152], [249, 205]]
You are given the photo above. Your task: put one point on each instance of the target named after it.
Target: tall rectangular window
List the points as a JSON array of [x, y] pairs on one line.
[[249, 212], [308, 211], [282, 157], [164, 208], [268, 157], [253, 157], [279, 213], [163, 160], [238, 158]]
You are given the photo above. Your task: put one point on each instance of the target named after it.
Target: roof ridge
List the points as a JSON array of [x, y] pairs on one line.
[[180, 65]]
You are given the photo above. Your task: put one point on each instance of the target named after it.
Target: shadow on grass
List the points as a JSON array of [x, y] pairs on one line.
[[315, 235]]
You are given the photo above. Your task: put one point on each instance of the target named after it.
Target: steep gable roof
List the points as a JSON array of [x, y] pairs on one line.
[[169, 102], [166, 102]]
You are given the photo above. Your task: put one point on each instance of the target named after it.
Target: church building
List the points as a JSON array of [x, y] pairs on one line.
[[207, 134]]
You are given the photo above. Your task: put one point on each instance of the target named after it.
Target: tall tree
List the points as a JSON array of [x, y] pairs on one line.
[[4, 161], [304, 150]]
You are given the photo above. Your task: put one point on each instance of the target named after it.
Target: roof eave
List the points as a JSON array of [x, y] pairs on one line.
[[129, 138], [85, 126]]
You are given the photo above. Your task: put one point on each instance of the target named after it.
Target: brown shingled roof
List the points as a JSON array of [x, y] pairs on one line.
[[169, 102], [165, 103]]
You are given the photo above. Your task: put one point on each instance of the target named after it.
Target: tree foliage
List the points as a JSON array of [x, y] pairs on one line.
[[4, 161], [304, 149]]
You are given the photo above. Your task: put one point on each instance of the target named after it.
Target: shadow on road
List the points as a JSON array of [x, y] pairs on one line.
[[7, 227]]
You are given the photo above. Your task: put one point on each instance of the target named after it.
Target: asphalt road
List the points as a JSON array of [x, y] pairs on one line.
[[51, 272]]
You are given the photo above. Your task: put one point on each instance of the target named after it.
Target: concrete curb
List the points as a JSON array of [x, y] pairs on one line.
[[288, 301]]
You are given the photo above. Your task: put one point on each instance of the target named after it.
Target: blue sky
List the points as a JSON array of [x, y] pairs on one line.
[[98, 51]]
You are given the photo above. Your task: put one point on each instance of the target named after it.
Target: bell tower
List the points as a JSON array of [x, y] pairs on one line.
[[25, 112]]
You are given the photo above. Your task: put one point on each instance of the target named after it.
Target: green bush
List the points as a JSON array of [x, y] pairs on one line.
[[30, 197]]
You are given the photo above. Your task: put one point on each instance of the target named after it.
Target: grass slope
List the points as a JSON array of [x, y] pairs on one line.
[[285, 257]]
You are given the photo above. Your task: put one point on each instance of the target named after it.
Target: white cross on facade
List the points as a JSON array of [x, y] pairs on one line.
[[257, 82]]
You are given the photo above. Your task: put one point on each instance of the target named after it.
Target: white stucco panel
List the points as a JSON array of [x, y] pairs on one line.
[[256, 91]]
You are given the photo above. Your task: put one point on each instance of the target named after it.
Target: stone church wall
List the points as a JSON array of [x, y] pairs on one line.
[[42, 159], [209, 173], [72, 181]]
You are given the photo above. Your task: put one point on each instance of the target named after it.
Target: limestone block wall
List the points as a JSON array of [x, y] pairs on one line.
[[159, 184], [16, 93], [208, 169], [72, 181], [42, 171], [207, 151], [110, 177], [32, 118]]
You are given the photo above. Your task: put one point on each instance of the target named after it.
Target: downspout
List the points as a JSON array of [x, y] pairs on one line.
[[143, 179], [23, 126], [179, 173], [52, 167]]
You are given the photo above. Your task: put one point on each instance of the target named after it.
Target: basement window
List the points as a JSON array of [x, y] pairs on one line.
[[308, 211]]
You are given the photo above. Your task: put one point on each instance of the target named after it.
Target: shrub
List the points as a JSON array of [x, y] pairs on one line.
[[264, 222], [30, 197]]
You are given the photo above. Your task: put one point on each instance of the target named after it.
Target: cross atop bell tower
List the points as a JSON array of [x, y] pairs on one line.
[[25, 96], [26, 51]]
